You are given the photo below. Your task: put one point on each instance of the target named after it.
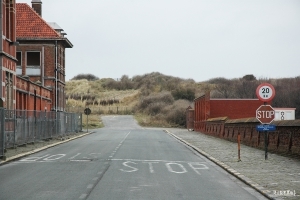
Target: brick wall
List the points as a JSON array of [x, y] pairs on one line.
[[286, 138], [234, 108], [206, 108], [29, 92], [47, 51]]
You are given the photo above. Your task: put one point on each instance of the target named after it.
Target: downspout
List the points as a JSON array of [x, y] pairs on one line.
[[43, 66], [1, 50], [2, 118], [56, 76], [56, 117]]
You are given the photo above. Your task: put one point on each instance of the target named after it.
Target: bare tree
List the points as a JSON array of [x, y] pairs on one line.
[[223, 88]]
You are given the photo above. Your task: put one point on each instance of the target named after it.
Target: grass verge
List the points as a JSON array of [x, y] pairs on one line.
[[93, 121]]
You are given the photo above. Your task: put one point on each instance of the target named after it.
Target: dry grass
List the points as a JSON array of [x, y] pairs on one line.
[[93, 121], [151, 100], [151, 121], [94, 88]]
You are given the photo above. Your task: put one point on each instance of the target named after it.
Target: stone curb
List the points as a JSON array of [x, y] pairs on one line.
[[40, 149], [268, 194]]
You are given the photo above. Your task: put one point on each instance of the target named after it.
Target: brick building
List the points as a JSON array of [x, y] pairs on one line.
[[8, 54], [41, 59], [207, 108], [32, 58]]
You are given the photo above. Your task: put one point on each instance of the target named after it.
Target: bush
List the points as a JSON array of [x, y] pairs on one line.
[[162, 97], [155, 108], [176, 114], [89, 77], [184, 93]]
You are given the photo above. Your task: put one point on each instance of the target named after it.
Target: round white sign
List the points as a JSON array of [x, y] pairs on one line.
[[265, 92]]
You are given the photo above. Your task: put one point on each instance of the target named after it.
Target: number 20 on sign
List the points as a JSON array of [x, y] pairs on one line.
[[265, 92]]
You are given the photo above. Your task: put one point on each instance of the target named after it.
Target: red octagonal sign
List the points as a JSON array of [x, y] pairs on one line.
[[265, 114]]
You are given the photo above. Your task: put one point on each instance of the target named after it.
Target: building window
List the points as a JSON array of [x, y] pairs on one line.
[[33, 66], [9, 90], [19, 63]]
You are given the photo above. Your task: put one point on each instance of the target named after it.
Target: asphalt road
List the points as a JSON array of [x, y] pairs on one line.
[[120, 161]]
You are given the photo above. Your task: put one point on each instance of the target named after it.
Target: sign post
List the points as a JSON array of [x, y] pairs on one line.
[[87, 111], [265, 113]]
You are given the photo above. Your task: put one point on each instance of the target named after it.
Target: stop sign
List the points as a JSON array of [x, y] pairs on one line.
[[265, 114]]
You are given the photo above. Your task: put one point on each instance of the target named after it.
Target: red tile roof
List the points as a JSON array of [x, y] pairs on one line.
[[32, 25]]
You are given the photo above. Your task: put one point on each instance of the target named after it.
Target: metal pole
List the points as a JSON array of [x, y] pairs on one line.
[[34, 113], [56, 100], [239, 147], [56, 116], [2, 136], [87, 123], [266, 145]]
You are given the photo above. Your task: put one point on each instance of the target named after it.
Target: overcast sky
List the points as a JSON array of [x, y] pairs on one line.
[[197, 39]]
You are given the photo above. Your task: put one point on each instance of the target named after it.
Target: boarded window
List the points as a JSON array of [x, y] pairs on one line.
[[19, 63], [33, 66]]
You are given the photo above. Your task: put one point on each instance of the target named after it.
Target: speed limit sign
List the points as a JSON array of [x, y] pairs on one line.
[[265, 92]]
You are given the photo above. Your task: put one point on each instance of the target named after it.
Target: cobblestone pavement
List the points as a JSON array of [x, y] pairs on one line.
[[278, 177]]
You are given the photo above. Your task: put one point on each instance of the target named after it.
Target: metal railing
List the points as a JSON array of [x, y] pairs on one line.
[[19, 127]]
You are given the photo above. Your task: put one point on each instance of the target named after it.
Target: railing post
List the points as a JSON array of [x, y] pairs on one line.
[[15, 127], [2, 134]]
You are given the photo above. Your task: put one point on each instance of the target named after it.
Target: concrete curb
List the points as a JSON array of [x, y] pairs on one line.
[[268, 194], [10, 159]]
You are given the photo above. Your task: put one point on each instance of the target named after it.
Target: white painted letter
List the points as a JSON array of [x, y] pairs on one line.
[[150, 166], [133, 168], [195, 168], [33, 158], [56, 157], [178, 172]]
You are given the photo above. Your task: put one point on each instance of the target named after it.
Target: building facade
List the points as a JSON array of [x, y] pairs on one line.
[[8, 54], [32, 58], [40, 59]]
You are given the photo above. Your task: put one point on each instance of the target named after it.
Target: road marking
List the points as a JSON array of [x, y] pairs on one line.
[[83, 196], [126, 165], [132, 189], [167, 161], [74, 156], [151, 166], [82, 160], [200, 167], [90, 186], [183, 170], [33, 159], [177, 167], [54, 157]]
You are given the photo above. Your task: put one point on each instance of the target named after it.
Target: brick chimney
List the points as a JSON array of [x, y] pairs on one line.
[[37, 6]]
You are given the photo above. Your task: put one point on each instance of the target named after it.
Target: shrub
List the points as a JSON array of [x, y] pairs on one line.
[[89, 77], [184, 93], [155, 108], [176, 114], [162, 97]]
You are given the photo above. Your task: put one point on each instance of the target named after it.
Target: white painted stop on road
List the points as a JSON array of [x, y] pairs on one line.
[[265, 114]]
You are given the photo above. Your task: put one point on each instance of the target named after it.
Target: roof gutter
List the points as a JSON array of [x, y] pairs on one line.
[[67, 42]]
